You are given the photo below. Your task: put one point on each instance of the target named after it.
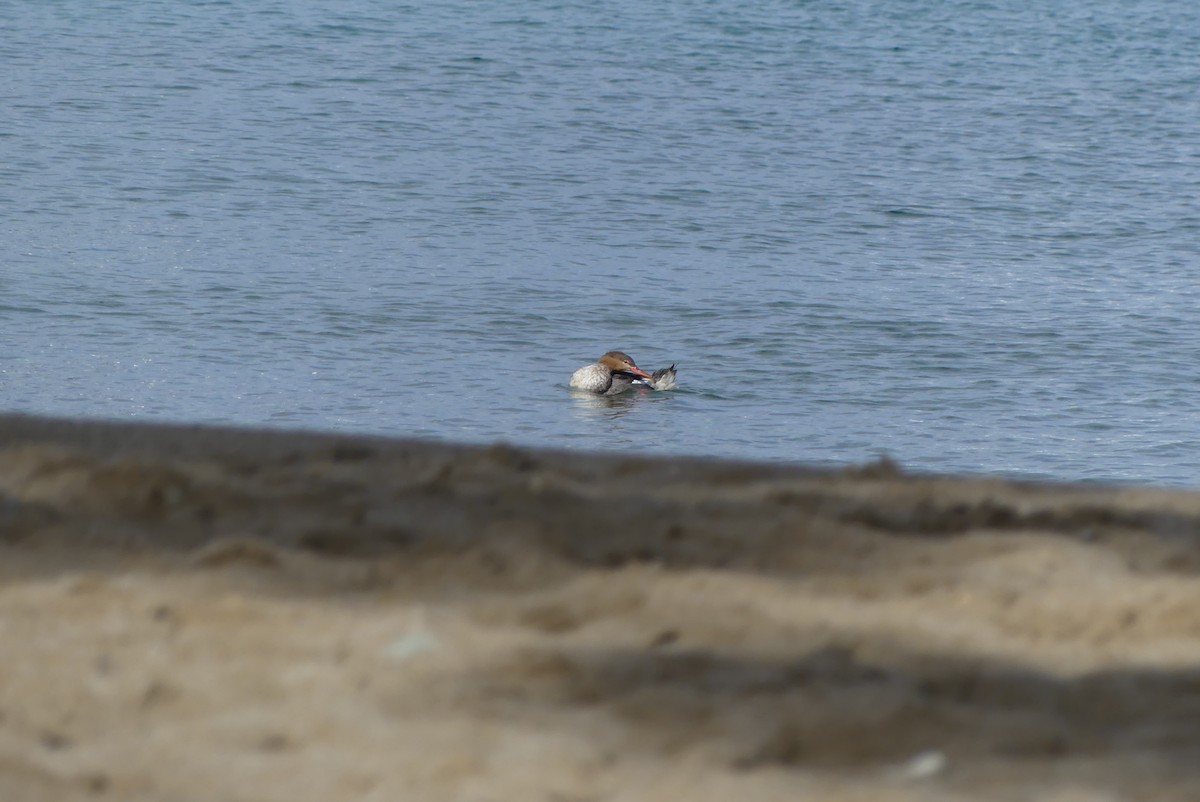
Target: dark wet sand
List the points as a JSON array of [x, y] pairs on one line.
[[198, 614]]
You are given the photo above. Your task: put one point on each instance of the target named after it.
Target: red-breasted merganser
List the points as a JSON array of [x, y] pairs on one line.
[[612, 373], [663, 379], [615, 372]]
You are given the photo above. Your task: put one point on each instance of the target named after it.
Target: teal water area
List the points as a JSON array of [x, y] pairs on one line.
[[964, 234]]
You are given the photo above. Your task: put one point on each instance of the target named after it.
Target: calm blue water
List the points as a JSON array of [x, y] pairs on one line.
[[962, 233]]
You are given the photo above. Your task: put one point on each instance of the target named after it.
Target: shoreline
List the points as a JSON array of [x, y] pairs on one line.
[[203, 612]]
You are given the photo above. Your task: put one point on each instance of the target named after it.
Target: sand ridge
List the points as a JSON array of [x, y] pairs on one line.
[[198, 613]]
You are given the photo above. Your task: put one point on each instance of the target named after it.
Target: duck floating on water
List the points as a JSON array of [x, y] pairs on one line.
[[616, 372]]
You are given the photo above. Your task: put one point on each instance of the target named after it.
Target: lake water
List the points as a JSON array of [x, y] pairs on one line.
[[962, 233]]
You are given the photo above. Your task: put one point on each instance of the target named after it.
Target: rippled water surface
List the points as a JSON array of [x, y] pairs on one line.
[[962, 233]]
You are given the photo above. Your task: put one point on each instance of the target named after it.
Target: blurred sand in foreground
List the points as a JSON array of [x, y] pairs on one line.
[[203, 614]]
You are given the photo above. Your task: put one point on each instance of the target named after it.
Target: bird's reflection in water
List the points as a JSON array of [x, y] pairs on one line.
[[590, 405]]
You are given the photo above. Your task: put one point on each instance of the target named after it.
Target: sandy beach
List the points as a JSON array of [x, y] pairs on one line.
[[200, 614]]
